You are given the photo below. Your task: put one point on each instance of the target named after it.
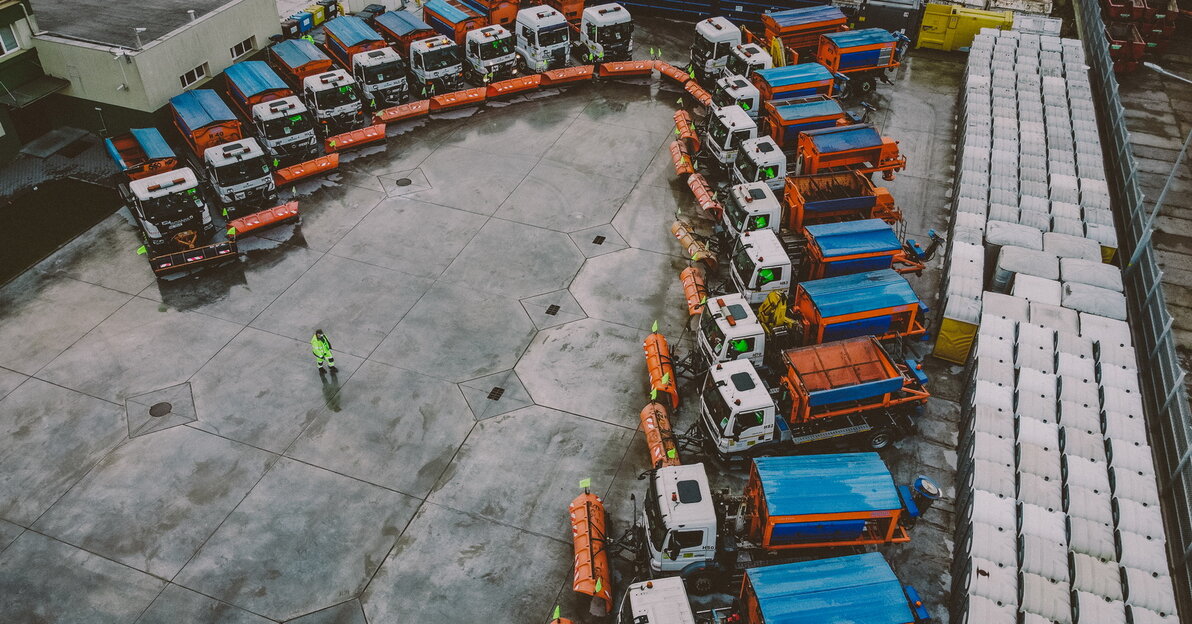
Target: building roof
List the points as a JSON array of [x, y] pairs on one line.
[[826, 484], [854, 237], [112, 23], [858, 588], [861, 292]]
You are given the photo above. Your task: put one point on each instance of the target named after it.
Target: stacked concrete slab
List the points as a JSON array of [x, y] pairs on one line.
[[1059, 517]]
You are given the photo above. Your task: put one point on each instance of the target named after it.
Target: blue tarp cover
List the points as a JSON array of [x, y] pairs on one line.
[[850, 238], [805, 110], [297, 52], [861, 292], [152, 143], [198, 108], [810, 15], [844, 138], [854, 38], [351, 30], [401, 22], [448, 12], [843, 590], [826, 484], [794, 74], [253, 77]]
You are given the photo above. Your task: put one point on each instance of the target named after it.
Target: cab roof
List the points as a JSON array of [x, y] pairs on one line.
[[856, 588], [168, 182], [733, 305], [351, 30], [763, 150], [826, 484], [738, 381], [335, 77], [401, 22], [718, 29], [661, 601], [611, 13], [543, 15], [735, 117], [849, 238], [762, 244], [860, 292], [754, 193], [685, 498]]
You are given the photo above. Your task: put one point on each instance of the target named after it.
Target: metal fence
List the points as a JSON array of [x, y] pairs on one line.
[[1166, 401]]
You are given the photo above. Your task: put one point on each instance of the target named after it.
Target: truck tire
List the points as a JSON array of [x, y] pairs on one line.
[[880, 439], [702, 579], [866, 86]]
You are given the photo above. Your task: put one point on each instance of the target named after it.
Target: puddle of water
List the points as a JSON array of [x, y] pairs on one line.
[[50, 215]]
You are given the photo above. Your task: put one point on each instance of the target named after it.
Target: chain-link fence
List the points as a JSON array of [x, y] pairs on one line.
[[1162, 378]]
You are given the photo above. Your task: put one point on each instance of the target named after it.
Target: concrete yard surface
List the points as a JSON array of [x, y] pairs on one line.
[[487, 321]]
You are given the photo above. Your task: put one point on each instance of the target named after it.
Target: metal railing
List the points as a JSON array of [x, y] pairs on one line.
[[1164, 395]]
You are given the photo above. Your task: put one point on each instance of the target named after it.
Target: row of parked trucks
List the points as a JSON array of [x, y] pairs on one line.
[[795, 351]]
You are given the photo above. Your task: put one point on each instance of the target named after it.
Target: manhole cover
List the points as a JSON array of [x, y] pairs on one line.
[[404, 181], [160, 409], [552, 309], [495, 394], [599, 240]]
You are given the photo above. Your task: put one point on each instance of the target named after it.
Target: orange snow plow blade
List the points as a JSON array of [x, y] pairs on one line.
[[661, 369], [293, 173], [672, 72], [695, 291], [660, 438], [692, 246], [458, 98], [704, 196], [408, 110], [591, 555], [514, 85], [685, 129], [191, 258], [354, 138], [263, 219], [567, 74], [681, 159], [699, 93], [626, 68]]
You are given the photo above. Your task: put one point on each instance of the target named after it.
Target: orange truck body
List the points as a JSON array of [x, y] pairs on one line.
[[858, 147], [572, 10], [452, 18], [831, 197], [800, 29], [296, 59], [401, 28], [878, 303]]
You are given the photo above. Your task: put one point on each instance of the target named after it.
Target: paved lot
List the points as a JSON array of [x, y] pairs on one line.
[[487, 320]]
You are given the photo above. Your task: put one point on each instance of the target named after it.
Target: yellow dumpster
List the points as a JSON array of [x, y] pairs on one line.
[[958, 329], [948, 27], [317, 12]]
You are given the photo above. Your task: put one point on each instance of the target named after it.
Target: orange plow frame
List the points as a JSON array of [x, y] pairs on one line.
[[704, 196], [458, 98], [660, 437], [694, 290], [592, 574], [409, 110], [625, 68], [695, 249], [672, 72], [293, 173], [685, 130], [264, 219], [567, 74], [681, 159], [354, 138], [660, 367], [514, 85]]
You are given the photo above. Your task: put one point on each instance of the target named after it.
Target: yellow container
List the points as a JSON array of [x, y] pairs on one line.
[[949, 27], [958, 329], [316, 11]]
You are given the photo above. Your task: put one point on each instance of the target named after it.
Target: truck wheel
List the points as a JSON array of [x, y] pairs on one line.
[[866, 86], [880, 439], [702, 582]]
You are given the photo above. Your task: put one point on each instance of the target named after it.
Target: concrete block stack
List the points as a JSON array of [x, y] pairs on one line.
[[1058, 509]]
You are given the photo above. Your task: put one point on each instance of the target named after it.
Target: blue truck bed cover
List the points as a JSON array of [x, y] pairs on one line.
[[853, 237], [809, 15], [150, 141], [853, 38], [201, 107], [860, 292], [857, 588], [253, 77], [844, 138], [794, 74], [448, 12], [351, 30], [297, 52], [826, 484], [401, 22], [804, 110]]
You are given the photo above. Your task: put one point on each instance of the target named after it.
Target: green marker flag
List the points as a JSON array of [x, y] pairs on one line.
[[653, 394], [599, 584], [665, 378], [556, 615], [231, 231], [276, 162], [142, 250], [704, 300], [585, 483], [679, 101], [654, 327], [671, 453]]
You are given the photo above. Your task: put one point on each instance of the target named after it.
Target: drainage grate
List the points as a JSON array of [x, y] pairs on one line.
[[160, 409], [599, 240], [404, 181], [495, 393], [552, 309]]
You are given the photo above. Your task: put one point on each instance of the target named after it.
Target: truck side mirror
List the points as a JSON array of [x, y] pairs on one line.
[[672, 548]]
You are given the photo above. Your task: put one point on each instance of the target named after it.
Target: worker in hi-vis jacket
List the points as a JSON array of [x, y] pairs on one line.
[[321, 347]]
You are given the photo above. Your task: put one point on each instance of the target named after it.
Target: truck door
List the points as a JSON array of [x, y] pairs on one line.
[[684, 546], [748, 428]]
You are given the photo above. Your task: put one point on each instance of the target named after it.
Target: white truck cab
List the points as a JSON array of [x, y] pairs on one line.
[[737, 91], [543, 38], [335, 99], [436, 65], [239, 173], [746, 58], [287, 129], [169, 203], [606, 32], [760, 266], [752, 206], [679, 518], [729, 330], [737, 406], [714, 37], [728, 128], [490, 54], [382, 75], [659, 601], [760, 160]]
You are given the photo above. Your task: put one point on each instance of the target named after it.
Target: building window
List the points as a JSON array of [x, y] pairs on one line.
[[193, 76], [8, 40], [242, 48]]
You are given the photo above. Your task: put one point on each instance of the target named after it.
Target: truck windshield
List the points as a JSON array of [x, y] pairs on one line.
[[384, 72], [441, 58], [616, 33], [241, 172], [737, 215], [720, 133], [654, 516], [722, 98], [714, 401], [711, 332], [702, 49], [553, 35], [746, 167], [737, 65], [496, 49], [744, 265], [336, 97], [289, 125], [174, 207]]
